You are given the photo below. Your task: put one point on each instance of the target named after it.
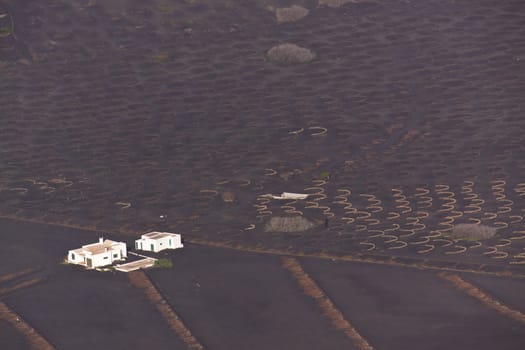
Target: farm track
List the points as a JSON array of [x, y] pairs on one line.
[[416, 263], [36, 340], [310, 287], [19, 284], [382, 166], [484, 298], [18, 274], [242, 266], [419, 264], [119, 118], [140, 280]]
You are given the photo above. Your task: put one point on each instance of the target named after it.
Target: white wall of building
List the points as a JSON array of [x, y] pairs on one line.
[[172, 241], [74, 257], [121, 249], [117, 251], [176, 242]]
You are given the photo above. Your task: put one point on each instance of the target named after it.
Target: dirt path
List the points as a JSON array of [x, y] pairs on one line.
[[140, 280], [37, 341]]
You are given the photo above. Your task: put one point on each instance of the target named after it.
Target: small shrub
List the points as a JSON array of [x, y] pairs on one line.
[[325, 175], [290, 14], [473, 232], [160, 57], [164, 263], [334, 3], [288, 175], [165, 8], [290, 53], [228, 197], [288, 224], [5, 32]]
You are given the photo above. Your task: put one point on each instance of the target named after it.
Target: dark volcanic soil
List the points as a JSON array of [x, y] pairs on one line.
[[402, 309], [36, 245], [120, 113], [85, 309], [510, 291], [11, 338], [233, 300], [73, 308], [145, 114]]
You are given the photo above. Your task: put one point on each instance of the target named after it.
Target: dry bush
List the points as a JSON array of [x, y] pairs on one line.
[[289, 175], [290, 14], [472, 232], [228, 197], [288, 224], [334, 3], [290, 53]]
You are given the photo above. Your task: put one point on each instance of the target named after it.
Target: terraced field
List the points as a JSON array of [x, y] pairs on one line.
[[123, 116], [217, 298]]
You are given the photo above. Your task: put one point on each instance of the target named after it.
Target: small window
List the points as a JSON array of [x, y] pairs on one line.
[[105, 257], [115, 255], [72, 256]]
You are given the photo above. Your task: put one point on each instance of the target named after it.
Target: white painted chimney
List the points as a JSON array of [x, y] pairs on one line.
[[101, 240]]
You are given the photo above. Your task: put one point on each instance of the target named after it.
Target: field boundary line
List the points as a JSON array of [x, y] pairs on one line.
[[310, 288], [371, 259], [36, 340], [64, 224], [378, 260], [140, 280], [18, 274], [483, 297], [21, 285]]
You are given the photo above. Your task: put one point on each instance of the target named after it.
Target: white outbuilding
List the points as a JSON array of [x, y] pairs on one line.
[[102, 253], [157, 241]]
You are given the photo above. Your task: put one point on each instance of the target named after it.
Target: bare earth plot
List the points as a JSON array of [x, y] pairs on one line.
[[122, 116], [509, 291], [234, 300], [82, 309], [402, 309], [70, 307], [128, 115], [35, 245], [11, 338]]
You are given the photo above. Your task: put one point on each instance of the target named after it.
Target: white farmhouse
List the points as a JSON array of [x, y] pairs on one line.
[[157, 241], [102, 253]]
